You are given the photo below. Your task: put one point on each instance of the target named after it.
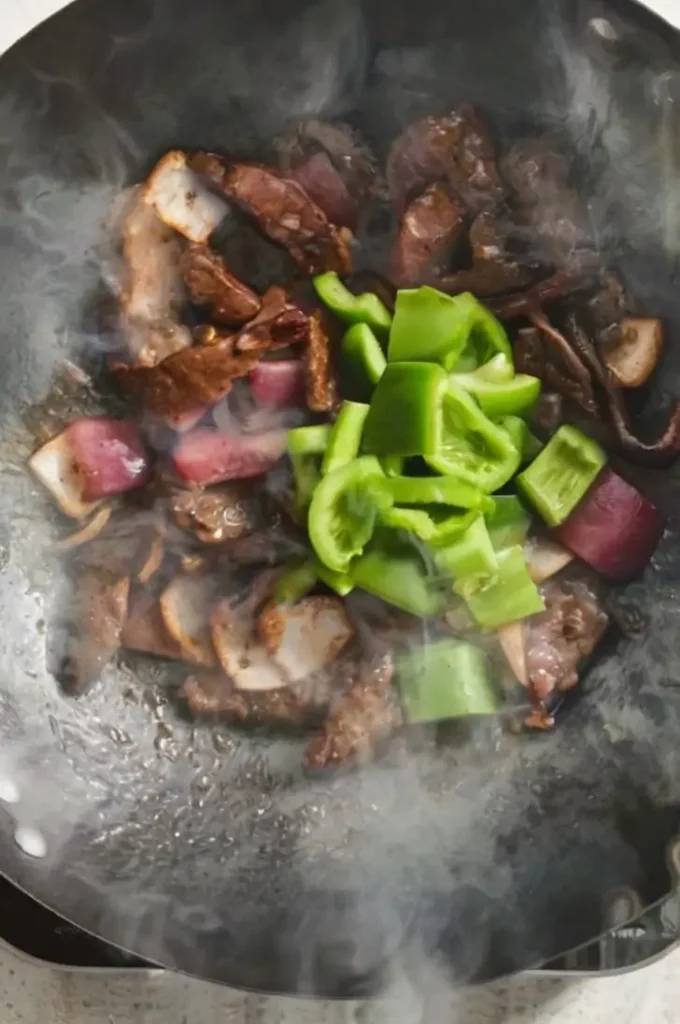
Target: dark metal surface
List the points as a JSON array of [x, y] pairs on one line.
[[205, 850]]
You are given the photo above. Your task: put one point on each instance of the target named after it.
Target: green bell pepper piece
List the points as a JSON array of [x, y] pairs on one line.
[[472, 447], [432, 327], [405, 415], [362, 361], [509, 523], [344, 510], [396, 573], [393, 465], [437, 526], [526, 443], [340, 582], [498, 370], [472, 554], [295, 583], [438, 490], [350, 308], [562, 474], [344, 441], [306, 446], [516, 397], [507, 596], [445, 680]]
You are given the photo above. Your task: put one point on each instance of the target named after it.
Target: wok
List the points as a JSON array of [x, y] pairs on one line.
[[207, 851]]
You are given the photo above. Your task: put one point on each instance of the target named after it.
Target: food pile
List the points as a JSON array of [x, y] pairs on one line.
[[317, 464]]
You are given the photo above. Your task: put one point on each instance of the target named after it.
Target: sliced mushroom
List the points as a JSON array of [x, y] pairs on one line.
[[634, 350], [182, 200], [186, 606], [545, 558], [511, 639], [54, 467], [241, 653], [153, 556], [306, 637]]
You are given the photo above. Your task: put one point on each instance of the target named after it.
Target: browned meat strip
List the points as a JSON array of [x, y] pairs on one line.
[[283, 211], [456, 148], [610, 305], [495, 269], [325, 187], [217, 515], [360, 720], [278, 324], [431, 226], [557, 286], [213, 694], [96, 623], [553, 363], [189, 380], [320, 372], [209, 282], [145, 629], [560, 637], [345, 151]]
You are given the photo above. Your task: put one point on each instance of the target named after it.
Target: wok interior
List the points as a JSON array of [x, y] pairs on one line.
[[206, 850]]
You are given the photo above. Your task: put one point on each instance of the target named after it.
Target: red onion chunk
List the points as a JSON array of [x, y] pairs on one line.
[[205, 457], [614, 529], [109, 455], [325, 187], [279, 384]]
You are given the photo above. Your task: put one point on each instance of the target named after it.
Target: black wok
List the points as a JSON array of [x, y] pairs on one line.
[[207, 851]]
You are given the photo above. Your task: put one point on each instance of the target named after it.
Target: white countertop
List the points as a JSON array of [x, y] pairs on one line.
[[30, 993]]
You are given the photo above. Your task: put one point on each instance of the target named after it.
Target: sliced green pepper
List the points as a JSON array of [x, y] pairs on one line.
[[350, 308], [340, 582], [438, 490], [306, 446], [344, 510], [405, 416], [344, 441], [437, 526], [498, 370], [526, 443], [472, 447], [393, 465], [396, 573], [515, 397], [446, 680], [562, 474], [410, 520], [509, 523], [472, 554], [295, 583], [362, 361], [432, 327], [506, 596]]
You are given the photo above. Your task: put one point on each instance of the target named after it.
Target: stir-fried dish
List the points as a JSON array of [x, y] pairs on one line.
[[351, 503]]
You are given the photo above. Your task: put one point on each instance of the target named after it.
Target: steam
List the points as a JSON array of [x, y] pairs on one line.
[[156, 817]]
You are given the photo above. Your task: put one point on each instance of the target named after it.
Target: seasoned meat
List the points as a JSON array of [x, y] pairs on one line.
[[539, 177], [495, 268], [152, 291], [559, 285], [96, 621], [145, 630], [305, 638], [182, 200], [214, 694], [321, 381], [454, 148], [241, 652], [560, 637], [432, 225], [265, 547], [283, 210], [189, 380], [215, 516], [344, 150], [609, 305], [278, 324], [361, 719], [324, 185], [535, 356], [210, 283]]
